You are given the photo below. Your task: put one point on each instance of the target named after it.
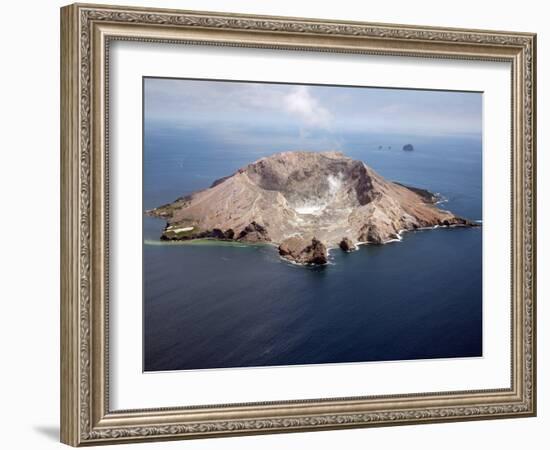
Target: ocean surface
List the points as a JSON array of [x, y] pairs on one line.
[[216, 305]]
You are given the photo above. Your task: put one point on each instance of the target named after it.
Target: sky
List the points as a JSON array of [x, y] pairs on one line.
[[238, 108]]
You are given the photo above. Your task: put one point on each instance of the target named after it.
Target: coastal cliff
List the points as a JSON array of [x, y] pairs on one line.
[[304, 202]]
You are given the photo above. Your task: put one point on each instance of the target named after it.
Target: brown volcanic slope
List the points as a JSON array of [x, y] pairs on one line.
[[305, 195]]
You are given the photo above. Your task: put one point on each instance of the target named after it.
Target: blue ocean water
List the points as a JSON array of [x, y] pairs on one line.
[[219, 306]]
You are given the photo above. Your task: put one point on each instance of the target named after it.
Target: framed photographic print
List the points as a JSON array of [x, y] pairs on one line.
[[278, 224]]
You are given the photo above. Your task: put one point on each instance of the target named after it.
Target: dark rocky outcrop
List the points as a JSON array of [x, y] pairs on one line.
[[372, 235], [253, 232], [408, 147], [347, 245], [304, 251], [424, 193], [457, 222]]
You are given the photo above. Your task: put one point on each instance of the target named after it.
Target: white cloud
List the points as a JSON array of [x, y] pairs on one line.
[[300, 103], [311, 109]]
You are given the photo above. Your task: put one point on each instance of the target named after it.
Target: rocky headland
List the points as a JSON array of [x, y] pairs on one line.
[[305, 203]]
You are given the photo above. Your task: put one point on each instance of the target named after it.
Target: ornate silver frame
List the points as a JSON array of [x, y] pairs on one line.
[[86, 31]]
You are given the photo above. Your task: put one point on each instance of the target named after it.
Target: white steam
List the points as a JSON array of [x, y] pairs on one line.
[[316, 208], [300, 103], [334, 183]]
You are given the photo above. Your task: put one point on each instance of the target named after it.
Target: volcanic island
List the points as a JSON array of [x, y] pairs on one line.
[[304, 203]]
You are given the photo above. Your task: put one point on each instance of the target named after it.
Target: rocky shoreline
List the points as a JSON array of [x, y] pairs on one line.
[[301, 251]]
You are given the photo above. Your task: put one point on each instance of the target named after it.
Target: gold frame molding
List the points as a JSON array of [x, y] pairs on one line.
[[86, 31]]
